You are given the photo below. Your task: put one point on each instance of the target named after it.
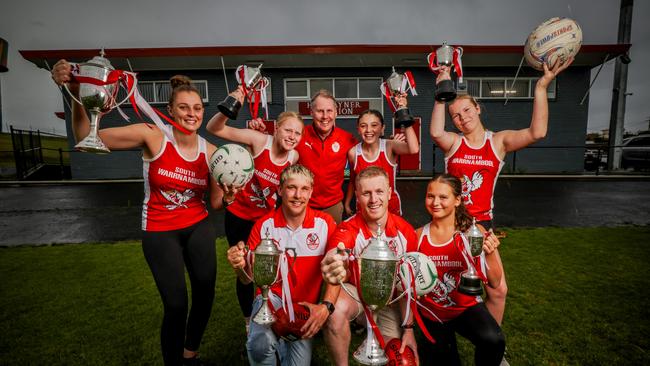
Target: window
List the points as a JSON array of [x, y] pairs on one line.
[[158, 92], [500, 88], [343, 88]]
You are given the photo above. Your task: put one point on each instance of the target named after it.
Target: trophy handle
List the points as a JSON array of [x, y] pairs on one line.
[[135, 85], [249, 262], [347, 252], [65, 85]]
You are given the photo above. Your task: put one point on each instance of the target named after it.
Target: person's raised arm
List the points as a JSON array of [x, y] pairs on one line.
[[444, 139], [218, 127], [349, 193], [116, 138], [513, 140], [411, 145]]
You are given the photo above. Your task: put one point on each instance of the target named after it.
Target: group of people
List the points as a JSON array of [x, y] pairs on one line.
[[296, 198]]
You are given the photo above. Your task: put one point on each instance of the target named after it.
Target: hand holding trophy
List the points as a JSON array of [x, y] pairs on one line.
[[99, 84], [267, 261], [393, 88], [470, 281], [448, 56], [254, 87]]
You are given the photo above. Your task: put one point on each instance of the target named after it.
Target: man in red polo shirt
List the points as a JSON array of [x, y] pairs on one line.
[[323, 150]]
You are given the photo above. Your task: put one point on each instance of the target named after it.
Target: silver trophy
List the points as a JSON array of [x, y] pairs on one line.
[[252, 80], [470, 282], [378, 268], [444, 56], [98, 96], [396, 86], [265, 273]]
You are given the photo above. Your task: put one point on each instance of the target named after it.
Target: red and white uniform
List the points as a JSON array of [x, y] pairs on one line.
[[326, 159], [478, 170], [174, 187], [382, 161], [445, 301], [310, 243], [259, 195], [354, 234]]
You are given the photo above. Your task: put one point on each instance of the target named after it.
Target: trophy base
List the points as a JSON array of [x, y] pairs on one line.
[[377, 356], [229, 107], [264, 316], [92, 145], [403, 118], [445, 91], [470, 286]]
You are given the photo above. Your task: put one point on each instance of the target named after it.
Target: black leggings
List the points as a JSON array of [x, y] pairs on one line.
[[168, 253], [238, 229], [477, 325]]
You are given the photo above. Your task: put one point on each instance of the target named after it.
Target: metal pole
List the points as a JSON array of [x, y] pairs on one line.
[[617, 119]]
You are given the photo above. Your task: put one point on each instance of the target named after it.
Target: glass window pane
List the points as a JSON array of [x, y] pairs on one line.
[[493, 88], [146, 90], [473, 87], [201, 87], [345, 88], [369, 88], [163, 92], [518, 90], [317, 84], [296, 88]]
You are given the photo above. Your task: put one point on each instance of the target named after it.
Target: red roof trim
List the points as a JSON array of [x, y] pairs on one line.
[[297, 49]]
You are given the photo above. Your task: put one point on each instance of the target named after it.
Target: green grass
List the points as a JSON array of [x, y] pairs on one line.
[[49, 144], [576, 297]]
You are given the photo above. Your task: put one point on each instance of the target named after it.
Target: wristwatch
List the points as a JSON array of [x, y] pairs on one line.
[[330, 307], [226, 203]]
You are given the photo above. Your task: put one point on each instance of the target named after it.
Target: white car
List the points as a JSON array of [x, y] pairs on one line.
[[636, 152]]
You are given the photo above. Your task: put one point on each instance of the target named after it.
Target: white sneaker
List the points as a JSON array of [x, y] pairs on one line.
[[504, 362]]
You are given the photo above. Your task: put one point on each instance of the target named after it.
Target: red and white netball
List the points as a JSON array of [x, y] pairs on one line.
[[290, 330], [555, 40], [395, 358], [232, 165], [424, 272]]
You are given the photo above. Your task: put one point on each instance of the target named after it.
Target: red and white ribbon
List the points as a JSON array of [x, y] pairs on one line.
[[129, 81], [256, 95], [456, 59]]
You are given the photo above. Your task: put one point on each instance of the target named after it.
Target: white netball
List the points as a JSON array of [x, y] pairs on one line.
[[232, 165], [424, 271], [556, 39]]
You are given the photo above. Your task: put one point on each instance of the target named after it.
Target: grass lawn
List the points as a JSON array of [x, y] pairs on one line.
[[576, 297]]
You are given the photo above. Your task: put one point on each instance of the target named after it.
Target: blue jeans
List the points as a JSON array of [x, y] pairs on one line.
[[262, 343]]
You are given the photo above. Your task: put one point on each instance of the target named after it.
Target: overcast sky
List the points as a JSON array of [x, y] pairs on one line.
[[29, 99]]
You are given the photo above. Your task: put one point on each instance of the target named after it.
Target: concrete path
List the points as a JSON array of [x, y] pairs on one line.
[[99, 212]]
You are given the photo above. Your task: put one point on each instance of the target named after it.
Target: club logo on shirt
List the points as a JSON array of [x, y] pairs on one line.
[[177, 198], [470, 185], [313, 241], [442, 289], [336, 147]]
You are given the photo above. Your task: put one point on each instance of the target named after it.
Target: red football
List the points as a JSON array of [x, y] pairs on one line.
[[290, 330], [407, 358]]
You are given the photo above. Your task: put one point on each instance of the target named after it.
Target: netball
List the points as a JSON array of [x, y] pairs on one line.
[[556, 39], [424, 270], [231, 165]]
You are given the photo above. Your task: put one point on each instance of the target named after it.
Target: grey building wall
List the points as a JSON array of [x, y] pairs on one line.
[[561, 151]]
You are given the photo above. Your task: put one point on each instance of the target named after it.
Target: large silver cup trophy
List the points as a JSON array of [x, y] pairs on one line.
[[252, 80], [378, 268], [396, 84], [97, 93], [445, 55], [470, 282], [265, 273]]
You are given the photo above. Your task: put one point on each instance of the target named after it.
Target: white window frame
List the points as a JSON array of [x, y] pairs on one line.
[[552, 88], [307, 98], [204, 99]]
